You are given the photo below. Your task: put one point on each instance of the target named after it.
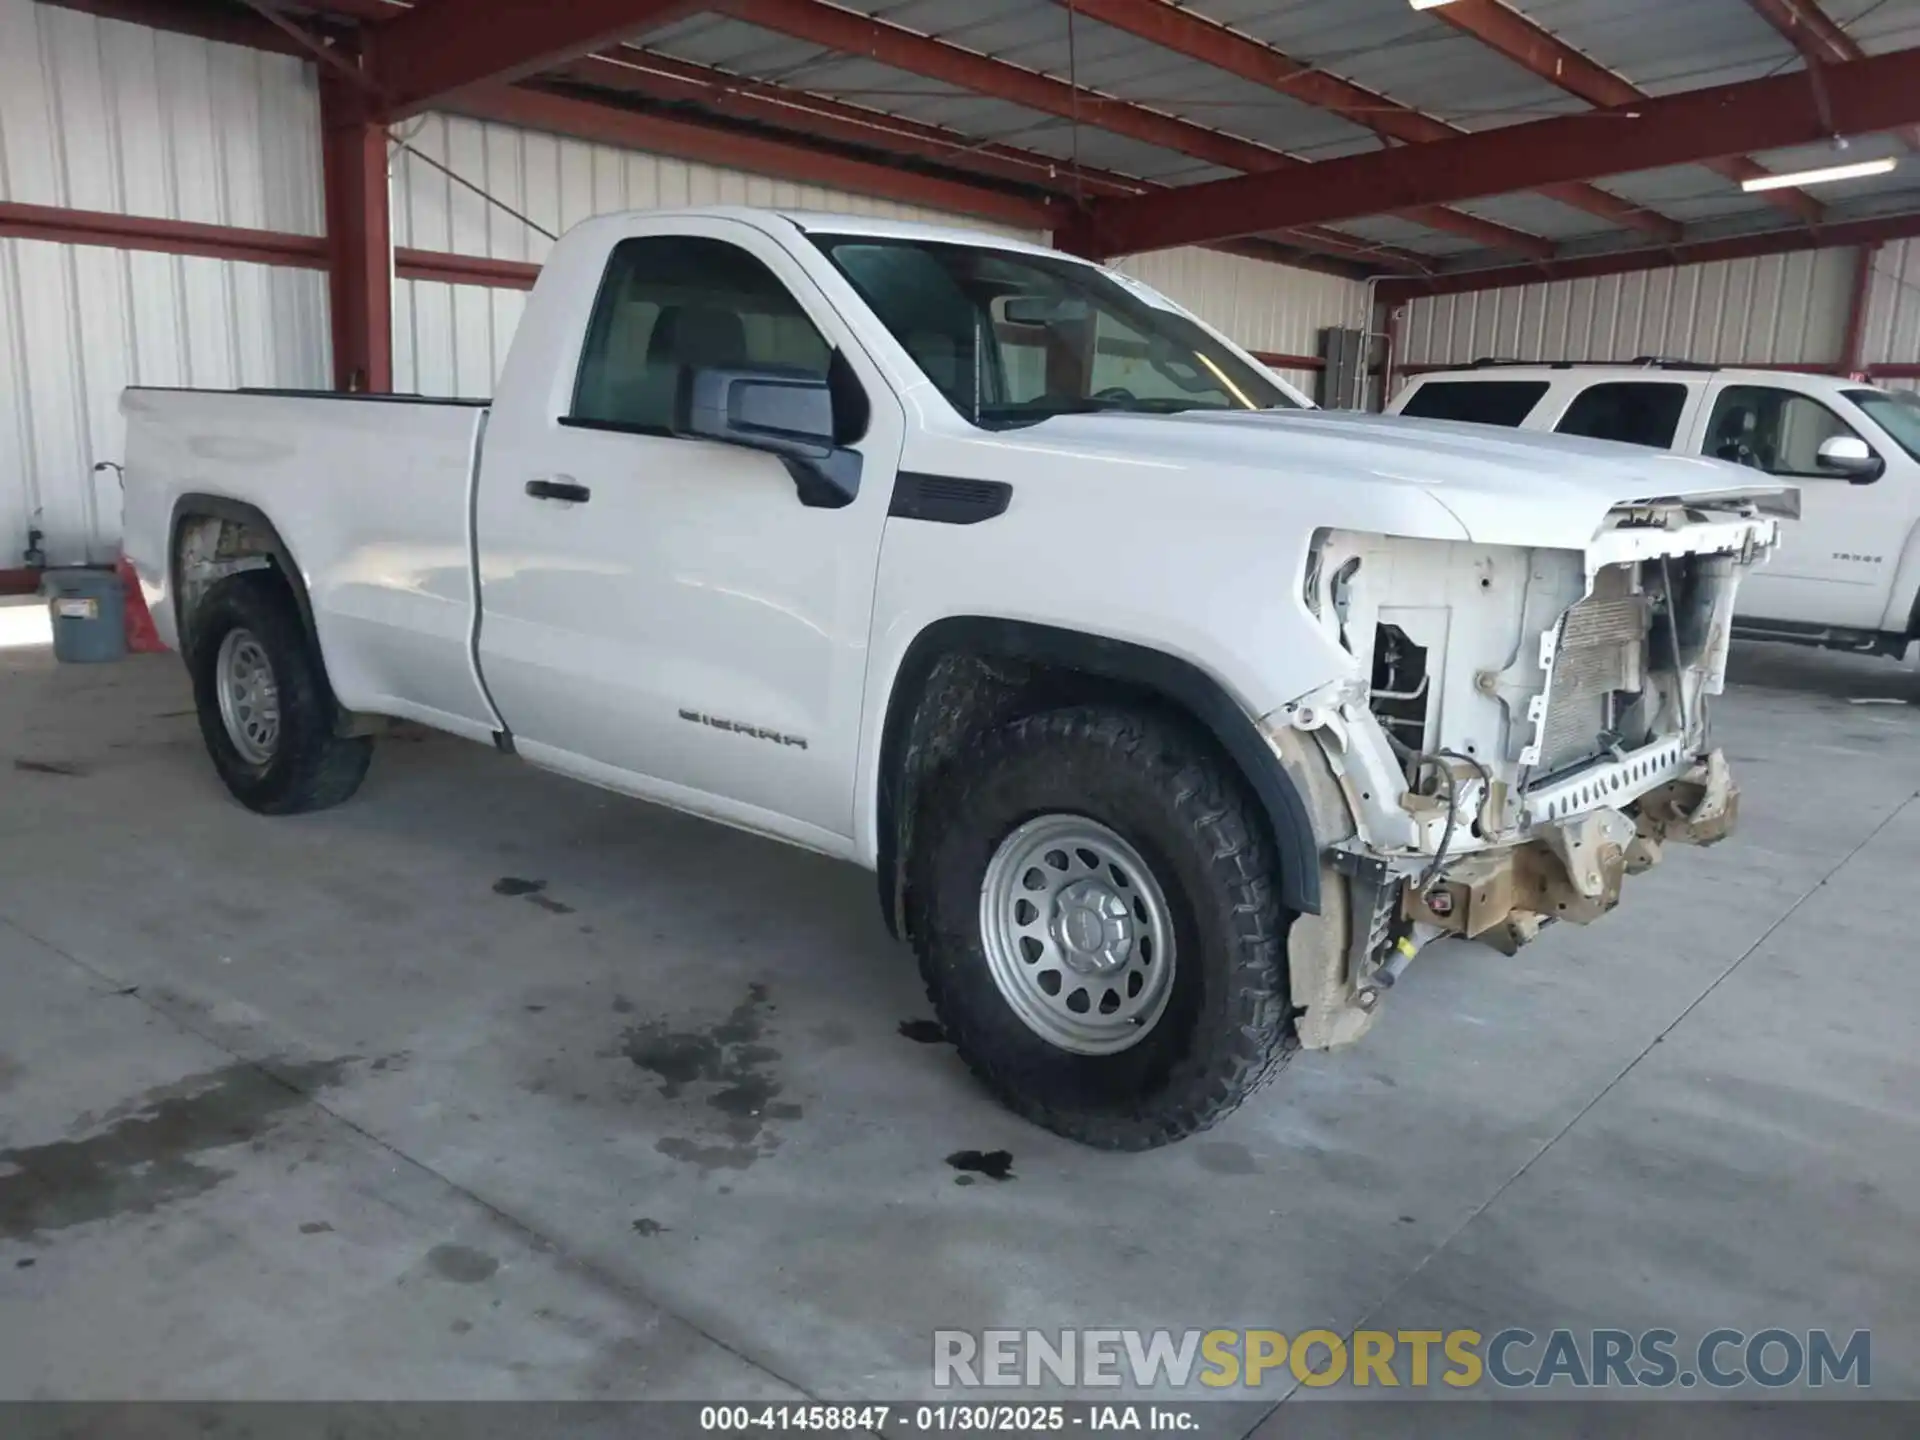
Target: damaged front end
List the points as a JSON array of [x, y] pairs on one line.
[[1522, 729]]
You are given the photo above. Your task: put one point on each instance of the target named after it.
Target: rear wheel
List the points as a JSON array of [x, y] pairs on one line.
[[1097, 927], [266, 710]]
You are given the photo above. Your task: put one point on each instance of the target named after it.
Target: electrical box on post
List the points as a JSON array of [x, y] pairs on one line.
[[1343, 369]]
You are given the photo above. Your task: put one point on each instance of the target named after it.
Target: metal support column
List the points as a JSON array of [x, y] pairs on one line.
[[1853, 360], [359, 237]]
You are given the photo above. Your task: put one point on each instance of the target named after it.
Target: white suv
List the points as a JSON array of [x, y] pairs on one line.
[[1847, 575]]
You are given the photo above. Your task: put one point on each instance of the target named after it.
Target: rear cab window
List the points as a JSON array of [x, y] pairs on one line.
[[1634, 412], [1479, 402]]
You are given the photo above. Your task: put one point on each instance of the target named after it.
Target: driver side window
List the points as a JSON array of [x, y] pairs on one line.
[[672, 302], [1778, 431]]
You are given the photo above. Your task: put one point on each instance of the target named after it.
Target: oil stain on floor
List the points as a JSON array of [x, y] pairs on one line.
[[994, 1164], [461, 1264], [532, 891], [146, 1154], [729, 1062]]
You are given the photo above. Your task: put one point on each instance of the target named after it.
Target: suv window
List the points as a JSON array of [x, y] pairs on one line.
[[1778, 431], [1636, 412], [670, 302], [1898, 413], [1484, 402]]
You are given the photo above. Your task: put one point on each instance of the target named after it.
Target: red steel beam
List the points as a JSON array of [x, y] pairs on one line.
[[1558, 63], [1289, 362], [642, 72], [359, 237], [1819, 38], [790, 160], [848, 33], [1173, 27], [1879, 93], [441, 47], [1878, 230], [631, 70], [450, 269], [1859, 300], [167, 237], [1810, 30], [762, 102]]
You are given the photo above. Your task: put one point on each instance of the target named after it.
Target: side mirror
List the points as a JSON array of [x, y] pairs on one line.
[[781, 412], [1852, 457]]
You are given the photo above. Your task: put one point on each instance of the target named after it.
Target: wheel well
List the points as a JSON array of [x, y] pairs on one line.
[[213, 538], [964, 675]]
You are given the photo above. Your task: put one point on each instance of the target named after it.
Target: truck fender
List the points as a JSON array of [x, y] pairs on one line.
[[990, 643], [269, 543]]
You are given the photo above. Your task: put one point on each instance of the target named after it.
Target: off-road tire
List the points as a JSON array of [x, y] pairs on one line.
[[311, 767], [1226, 1029]]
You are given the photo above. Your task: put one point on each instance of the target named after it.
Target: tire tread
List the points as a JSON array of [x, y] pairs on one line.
[[1227, 1064], [314, 769]]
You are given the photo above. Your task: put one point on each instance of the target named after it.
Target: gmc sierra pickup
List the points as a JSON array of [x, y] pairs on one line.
[[1174, 715]]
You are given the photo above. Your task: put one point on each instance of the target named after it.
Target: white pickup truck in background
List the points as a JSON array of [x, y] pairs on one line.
[[1847, 576], [1173, 716]]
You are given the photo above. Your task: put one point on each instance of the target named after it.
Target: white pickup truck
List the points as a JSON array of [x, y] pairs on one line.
[[1173, 715]]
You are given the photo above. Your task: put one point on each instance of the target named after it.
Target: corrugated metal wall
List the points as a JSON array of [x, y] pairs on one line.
[[109, 116], [451, 340], [1247, 300], [100, 115], [1781, 309], [78, 323], [1891, 335]]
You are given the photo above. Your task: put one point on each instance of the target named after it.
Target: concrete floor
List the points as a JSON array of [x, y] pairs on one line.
[[307, 1108]]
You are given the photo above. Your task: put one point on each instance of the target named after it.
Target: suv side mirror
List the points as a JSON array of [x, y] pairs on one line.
[[779, 411], [1852, 457]]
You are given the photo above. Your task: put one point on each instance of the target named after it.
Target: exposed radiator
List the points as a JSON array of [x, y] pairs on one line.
[[1602, 649]]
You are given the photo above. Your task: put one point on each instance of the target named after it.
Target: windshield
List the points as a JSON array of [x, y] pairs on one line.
[[1013, 339], [1897, 413]]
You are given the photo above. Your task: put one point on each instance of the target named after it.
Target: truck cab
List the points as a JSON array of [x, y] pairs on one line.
[[1848, 571]]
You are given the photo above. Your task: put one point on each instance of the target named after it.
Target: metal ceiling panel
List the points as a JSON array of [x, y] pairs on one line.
[[1415, 59], [1538, 214], [1406, 235], [747, 50], [1877, 25], [1662, 46]]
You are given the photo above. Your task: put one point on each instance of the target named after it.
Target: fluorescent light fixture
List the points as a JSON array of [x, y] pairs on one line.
[[1428, 4], [1819, 177]]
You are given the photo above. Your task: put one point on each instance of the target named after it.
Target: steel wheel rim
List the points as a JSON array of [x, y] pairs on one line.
[[1068, 908], [249, 698]]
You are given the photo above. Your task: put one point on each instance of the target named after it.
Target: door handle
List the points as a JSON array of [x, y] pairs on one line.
[[560, 489]]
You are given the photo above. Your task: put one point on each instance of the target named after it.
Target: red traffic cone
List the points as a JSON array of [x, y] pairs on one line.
[[142, 638]]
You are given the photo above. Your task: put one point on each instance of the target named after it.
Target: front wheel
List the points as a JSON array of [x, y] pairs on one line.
[[1096, 924], [266, 710]]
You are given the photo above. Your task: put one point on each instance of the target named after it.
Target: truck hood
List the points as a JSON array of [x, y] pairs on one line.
[[1505, 487]]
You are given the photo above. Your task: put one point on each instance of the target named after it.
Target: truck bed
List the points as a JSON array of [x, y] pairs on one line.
[[371, 499]]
